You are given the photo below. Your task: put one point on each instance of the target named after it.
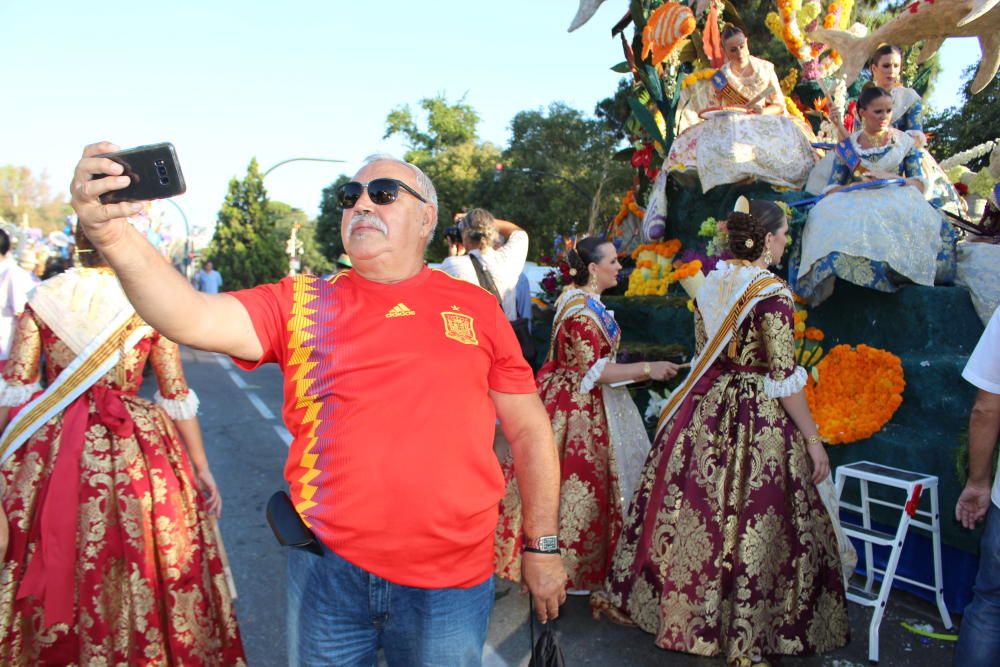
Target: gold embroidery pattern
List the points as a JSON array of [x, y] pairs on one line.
[[460, 327], [148, 580], [727, 548]]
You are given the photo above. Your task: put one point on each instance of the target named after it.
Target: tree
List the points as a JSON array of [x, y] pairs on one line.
[[328, 241], [557, 166], [285, 218], [27, 199], [447, 125], [448, 152], [246, 249], [975, 121]]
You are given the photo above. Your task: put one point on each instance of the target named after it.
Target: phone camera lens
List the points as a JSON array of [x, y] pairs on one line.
[[164, 180]]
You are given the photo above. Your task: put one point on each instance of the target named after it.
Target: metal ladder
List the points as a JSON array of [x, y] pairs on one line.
[[914, 485]]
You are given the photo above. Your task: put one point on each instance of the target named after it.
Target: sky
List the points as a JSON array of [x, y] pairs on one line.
[[227, 81]]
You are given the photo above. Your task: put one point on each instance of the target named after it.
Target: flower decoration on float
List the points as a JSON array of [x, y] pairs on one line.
[[654, 268], [857, 393], [628, 207], [701, 75]]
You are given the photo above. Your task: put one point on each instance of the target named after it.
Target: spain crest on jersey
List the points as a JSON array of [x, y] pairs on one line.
[[460, 327]]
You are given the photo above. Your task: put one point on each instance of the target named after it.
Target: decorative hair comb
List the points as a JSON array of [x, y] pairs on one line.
[[742, 205]]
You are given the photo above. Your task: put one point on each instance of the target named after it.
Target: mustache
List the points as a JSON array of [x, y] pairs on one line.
[[369, 219]]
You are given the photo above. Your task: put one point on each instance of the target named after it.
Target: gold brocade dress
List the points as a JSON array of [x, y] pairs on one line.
[[728, 549], [112, 559]]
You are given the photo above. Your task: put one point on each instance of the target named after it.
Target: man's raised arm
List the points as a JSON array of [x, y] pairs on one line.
[[161, 295]]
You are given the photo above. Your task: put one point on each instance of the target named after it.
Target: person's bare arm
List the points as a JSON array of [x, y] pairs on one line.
[[160, 294], [505, 227], [984, 428], [190, 433], [658, 370], [798, 409], [526, 426]]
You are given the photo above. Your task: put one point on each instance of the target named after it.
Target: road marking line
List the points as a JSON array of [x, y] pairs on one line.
[[262, 408], [223, 360], [283, 433], [237, 380]]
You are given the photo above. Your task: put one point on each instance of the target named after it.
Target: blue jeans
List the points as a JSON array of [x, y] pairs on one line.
[[340, 615], [979, 639]]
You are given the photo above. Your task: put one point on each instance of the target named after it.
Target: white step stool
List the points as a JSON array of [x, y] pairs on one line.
[[914, 485]]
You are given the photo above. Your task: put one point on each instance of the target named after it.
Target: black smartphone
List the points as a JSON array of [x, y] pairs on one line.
[[154, 171]]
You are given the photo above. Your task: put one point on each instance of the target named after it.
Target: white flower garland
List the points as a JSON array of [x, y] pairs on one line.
[[969, 155]]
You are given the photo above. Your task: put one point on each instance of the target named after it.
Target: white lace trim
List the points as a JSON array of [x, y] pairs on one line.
[[792, 384], [12, 395], [179, 408], [593, 375]]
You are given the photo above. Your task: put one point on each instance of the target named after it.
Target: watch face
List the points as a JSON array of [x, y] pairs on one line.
[[548, 543]]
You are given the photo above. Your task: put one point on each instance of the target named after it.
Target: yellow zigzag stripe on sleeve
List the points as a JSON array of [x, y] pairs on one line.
[[304, 293]]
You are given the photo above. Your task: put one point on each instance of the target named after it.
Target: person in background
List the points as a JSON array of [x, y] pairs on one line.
[[481, 232], [112, 557], [601, 438], [979, 637], [728, 548], [15, 283], [208, 280]]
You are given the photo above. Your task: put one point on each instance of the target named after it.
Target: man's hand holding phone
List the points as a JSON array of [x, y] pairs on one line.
[[104, 224]]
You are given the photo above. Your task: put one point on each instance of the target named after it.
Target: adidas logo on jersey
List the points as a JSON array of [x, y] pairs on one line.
[[400, 310]]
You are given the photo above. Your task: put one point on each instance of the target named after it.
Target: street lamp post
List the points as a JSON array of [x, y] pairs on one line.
[[294, 246], [187, 236], [296, 159]]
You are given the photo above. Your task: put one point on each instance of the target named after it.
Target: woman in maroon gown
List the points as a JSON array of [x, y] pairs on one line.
[[112, 557], [601, 438], [728, 549]]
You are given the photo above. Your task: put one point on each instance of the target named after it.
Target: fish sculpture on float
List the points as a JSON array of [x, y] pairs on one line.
[[666, 28], [931, 21]]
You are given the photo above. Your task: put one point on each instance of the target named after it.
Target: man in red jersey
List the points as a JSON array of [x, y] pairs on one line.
[[402, 498]]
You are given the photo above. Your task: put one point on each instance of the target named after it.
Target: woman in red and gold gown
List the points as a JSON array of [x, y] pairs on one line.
[[112, 558], [600, 435], [728, 548]]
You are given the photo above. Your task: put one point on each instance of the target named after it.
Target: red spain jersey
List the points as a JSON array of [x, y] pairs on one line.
[[387, 399]]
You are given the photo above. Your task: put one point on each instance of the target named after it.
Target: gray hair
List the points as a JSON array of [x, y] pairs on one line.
[[424, 184]]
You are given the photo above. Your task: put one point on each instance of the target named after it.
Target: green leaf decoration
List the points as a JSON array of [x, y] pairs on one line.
[[639, 14], [815, 374], [652, 81], [624, 155], [622, 67], [641, 114]]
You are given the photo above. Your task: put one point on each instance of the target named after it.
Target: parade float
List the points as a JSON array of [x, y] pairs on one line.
[[885, 368]]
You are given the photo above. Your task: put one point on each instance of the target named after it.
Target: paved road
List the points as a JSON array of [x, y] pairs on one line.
[[247, 445]]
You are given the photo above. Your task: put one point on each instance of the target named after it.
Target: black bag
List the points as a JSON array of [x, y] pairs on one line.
[[520, 325], [287, 525], [545, 652]]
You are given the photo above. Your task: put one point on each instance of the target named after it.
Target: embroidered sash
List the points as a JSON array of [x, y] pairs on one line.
[[578, 302], [762, 286], [90, 365]]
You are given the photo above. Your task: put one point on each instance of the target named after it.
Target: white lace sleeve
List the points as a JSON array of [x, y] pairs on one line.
[[179, 408], [792, 384], [593, 375], [16, 394]]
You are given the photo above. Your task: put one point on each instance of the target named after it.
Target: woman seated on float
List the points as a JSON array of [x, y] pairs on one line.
[[907, 115], [736, 126], [877, 237]]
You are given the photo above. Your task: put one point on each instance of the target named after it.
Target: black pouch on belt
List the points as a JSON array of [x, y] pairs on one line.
[[287, 525]]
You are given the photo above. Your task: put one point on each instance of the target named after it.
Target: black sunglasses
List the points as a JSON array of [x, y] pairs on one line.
[[382, 191]]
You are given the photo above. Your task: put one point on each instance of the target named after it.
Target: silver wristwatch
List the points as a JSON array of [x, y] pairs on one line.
[[546, 544]]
